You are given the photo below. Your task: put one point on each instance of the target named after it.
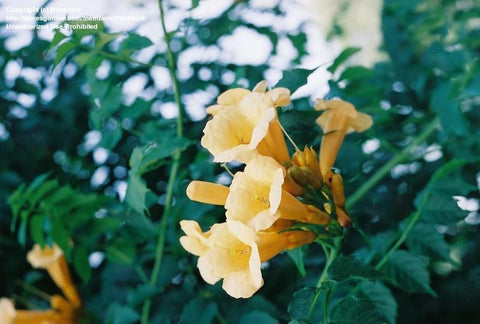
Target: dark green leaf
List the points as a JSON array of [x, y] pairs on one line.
[[354, 310], [445, 105], [80, 263], [199, 311], [300, 305], [348, 267], [258, 317], [36, 230], [409, 272], [382, 298], [118, 314], [136, 193], [111, 137], [57, 38], [122, 253], [425, 239], [294, 79], [61, 236], [141, 293], [297, 256]]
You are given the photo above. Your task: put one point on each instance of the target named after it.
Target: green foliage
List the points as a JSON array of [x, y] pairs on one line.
[[409, 272], [343, 268]]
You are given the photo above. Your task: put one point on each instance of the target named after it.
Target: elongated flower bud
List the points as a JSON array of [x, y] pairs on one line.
[[207, 192]]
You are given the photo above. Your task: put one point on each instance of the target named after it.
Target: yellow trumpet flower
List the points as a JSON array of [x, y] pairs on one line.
[[234, 252], [338, 119], [53, 260], [257, 199], [245, 124]]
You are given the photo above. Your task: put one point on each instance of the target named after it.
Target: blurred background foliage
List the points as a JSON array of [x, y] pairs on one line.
[[81, 164]]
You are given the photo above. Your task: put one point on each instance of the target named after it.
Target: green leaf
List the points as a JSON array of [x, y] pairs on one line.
[[80, 263], [294, 79], [355, 310], [297, 256], [103, 38], [63, 50], [382, 298], [198, 311], [61, 236], [258, 317], [111, 137], [36, 230], [121, 253], [425, 239], [141, 293], [355, 73], [444, 103], [136, 195], [299, 307], [442, 209], [134, 42], [410, 272], [347, 267], [117, 314], [57, 38], [344, 55], [83, 58], [138, 108]]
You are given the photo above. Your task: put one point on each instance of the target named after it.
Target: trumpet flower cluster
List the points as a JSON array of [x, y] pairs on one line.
[[278, 202], [63, 309]]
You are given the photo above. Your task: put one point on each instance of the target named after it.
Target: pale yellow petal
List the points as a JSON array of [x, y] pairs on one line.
[[42, 258], [260, 87], [240, 284], [195, 241], [280, 96], [232, 97], [207, 192], [361, 123], [7, 311]]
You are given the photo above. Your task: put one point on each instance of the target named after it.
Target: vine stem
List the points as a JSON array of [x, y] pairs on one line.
[[385, 169], [173, 171]]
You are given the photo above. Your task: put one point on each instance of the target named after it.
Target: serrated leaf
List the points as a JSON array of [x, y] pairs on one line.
[[297, 256], [355, 310], [346, 267], [382, 298], [425, 239], [198, 311], [442, 209], [136, 193], [409, 272], [299, 307], [344, 55], [444, 103], [294, 79]]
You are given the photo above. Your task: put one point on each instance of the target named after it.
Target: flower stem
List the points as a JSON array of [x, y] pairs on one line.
[[173, 172], [385, 169]]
